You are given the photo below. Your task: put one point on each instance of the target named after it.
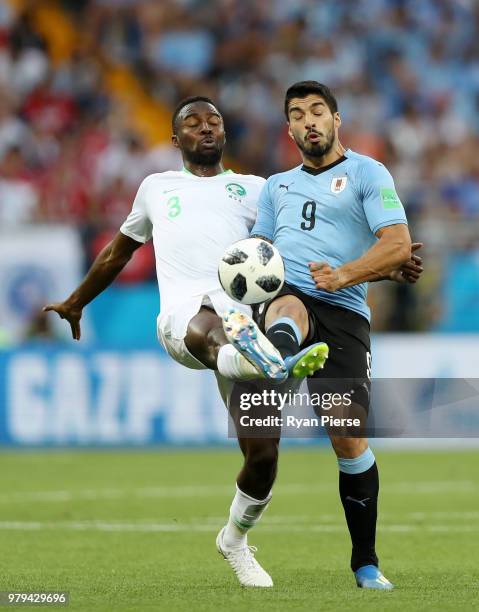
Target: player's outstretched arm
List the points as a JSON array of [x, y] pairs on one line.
[[388, 254], [106, 267]]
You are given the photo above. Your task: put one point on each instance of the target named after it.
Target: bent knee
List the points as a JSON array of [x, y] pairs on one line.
[[287, 306], [349, 448]]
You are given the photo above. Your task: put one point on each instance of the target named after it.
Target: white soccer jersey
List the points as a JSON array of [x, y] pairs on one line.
[[192, 221]]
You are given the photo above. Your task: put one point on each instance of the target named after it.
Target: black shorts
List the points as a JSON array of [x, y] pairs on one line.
[[347, 334]]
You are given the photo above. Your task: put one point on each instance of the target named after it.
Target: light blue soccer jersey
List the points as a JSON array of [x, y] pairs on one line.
[[330, 214]]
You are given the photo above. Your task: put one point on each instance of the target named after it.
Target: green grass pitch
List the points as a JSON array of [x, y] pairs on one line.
[[136, 531]]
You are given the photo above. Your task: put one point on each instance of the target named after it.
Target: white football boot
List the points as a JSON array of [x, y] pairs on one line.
[[243, 333], [248, 571]]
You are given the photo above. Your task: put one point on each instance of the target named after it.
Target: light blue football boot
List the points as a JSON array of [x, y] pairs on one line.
[[370, 577], [308, 361]]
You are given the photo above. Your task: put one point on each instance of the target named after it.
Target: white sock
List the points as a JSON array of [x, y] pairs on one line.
[[232, 364], [245, 512]]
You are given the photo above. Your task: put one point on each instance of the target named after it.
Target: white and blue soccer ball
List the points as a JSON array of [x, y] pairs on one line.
[[251, 271]]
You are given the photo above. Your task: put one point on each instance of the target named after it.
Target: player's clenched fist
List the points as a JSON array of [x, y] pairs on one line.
[[324, 276]]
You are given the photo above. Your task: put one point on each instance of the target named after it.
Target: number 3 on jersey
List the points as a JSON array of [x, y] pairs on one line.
[[174, 207], [308, 213]]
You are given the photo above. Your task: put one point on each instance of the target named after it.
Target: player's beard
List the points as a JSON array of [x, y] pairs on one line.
[[317, 149], [209, 157]]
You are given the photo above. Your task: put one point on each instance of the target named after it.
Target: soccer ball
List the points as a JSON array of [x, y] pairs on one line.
[[251, 271]]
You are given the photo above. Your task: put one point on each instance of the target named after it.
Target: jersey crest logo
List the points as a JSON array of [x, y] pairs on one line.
[[235, 191], [338, 183]]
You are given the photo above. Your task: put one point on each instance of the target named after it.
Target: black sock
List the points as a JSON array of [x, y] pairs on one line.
[[359, 495], [282, 335]]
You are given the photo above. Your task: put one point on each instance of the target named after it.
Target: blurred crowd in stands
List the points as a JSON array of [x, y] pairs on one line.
[[405, 72]]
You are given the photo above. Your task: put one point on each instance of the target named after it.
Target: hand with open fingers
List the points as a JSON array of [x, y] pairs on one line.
[[68, 312], [410, 271], [324, 276]]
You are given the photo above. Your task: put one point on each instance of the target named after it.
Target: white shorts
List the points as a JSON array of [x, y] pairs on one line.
[[176, 348], [173, 324]]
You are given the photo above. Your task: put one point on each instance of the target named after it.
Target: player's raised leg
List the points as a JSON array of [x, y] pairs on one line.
[[359, 489], [206, 341], [287, 326]]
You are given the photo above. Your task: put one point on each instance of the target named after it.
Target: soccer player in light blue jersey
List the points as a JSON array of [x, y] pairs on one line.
[[339, 224]]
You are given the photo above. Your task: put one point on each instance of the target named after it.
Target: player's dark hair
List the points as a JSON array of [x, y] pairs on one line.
[[182, 103], [301, 89]]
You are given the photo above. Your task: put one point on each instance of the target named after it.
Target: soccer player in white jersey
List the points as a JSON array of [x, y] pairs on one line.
[[193, 215]]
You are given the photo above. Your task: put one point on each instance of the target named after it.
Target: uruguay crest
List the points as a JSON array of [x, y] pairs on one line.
[[338, 183]]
